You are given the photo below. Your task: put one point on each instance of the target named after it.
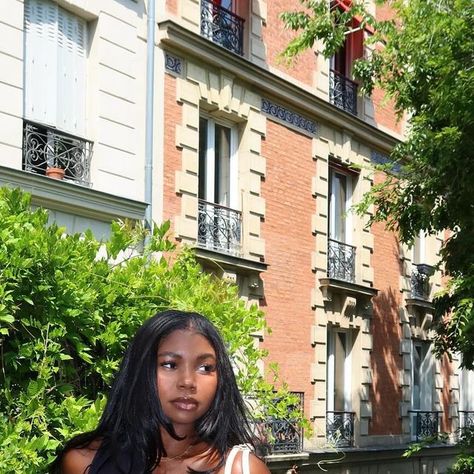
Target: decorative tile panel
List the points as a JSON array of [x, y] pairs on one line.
[[291, 118], [173, 64]]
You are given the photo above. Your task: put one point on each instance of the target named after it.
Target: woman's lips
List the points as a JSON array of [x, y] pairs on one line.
[[186, 404]]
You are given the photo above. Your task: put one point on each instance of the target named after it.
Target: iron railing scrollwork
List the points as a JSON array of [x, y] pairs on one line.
[[466, 419], [222, 26], [343, 92], [341, 261], [420, 281], [340, 428], [283, 435], [219, 228], [426, 423], [45, 147]]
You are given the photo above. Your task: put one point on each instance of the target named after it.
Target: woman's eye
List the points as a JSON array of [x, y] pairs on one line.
[[168, 364], [207, 368]]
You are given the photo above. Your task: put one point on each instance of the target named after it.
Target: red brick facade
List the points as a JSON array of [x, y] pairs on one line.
[[289, 242], [284, 173]]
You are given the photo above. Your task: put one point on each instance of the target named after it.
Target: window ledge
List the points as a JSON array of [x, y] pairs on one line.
[[419, 303], [230, 262], [72, 198], [331, 285]]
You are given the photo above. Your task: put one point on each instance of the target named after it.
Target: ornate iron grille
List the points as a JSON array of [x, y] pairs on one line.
[[426, 423], [466, 419], [343, 92], [420, 281], [222, 26], [341, 261], [283, 435], [340, 428], [44, 147], [219, 228]]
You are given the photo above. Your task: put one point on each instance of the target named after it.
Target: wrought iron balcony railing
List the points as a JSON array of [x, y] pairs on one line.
[[343, 92], [219, 228], [284, 436], [466, 419], [340, 428], [45, 148], [426, 423], [222, 26], [341, 261], [420, 281]]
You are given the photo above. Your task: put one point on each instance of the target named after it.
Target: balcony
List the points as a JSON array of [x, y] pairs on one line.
[[340, 428], [466, 419], [219, 228], [222, 27], [420, 281], [341, 261], [283, 436], [425, 424], [343, 92], [48, 152]]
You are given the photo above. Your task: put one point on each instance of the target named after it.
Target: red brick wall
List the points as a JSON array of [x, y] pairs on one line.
[[289, 242], [172, 155], [386, 360], [276, 38]]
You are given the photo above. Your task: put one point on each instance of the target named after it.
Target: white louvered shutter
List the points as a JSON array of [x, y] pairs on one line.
[[71, 103], [55, 66], [40, 61]]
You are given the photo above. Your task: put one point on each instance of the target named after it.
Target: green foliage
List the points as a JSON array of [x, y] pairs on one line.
[[68, 308], [465, 460], [424, 60]]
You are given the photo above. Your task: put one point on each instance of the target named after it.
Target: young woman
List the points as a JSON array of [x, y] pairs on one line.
[[174, 408]]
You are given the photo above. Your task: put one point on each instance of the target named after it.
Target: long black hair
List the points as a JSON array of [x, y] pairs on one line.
[[133, 414]]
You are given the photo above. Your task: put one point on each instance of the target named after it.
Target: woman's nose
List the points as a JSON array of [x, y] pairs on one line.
[[187, 379]]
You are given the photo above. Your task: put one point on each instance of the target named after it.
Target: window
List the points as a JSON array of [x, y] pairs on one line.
[[219, 219], [421, 271], [341, 255], [466, 398], [424, 421], [55, 93], [342, 90], [55, 67], [221, 24], [340, 418]]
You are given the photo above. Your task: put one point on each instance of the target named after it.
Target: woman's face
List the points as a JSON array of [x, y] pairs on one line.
[[186, 377]]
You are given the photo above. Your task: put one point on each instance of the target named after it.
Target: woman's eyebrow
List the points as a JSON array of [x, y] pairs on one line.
[[169, 354], [209, 355]]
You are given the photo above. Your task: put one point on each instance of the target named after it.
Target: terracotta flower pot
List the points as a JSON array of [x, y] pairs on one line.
[[55, 173]]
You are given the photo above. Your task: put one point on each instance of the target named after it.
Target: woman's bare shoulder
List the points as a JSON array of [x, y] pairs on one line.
[[256, 465], [78, 460]]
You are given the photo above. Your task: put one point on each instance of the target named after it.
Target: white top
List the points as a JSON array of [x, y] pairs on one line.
[[245, 459]]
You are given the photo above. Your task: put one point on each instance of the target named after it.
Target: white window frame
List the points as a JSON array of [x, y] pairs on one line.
[[332, 204], [426, 377], [466, 390], [59, 45], [332, 332], [210, 165], [419, 249]]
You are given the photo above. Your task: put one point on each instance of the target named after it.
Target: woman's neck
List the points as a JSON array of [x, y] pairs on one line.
[[176, 448]]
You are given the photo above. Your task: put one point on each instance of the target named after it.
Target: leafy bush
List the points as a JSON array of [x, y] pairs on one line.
[[67, 314], [465, 459]]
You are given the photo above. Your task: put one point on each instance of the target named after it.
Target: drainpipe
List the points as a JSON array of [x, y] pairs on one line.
[[150, 75]]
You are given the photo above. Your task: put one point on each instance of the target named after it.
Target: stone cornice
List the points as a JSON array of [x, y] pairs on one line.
[[177, 38], [71, 198]]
